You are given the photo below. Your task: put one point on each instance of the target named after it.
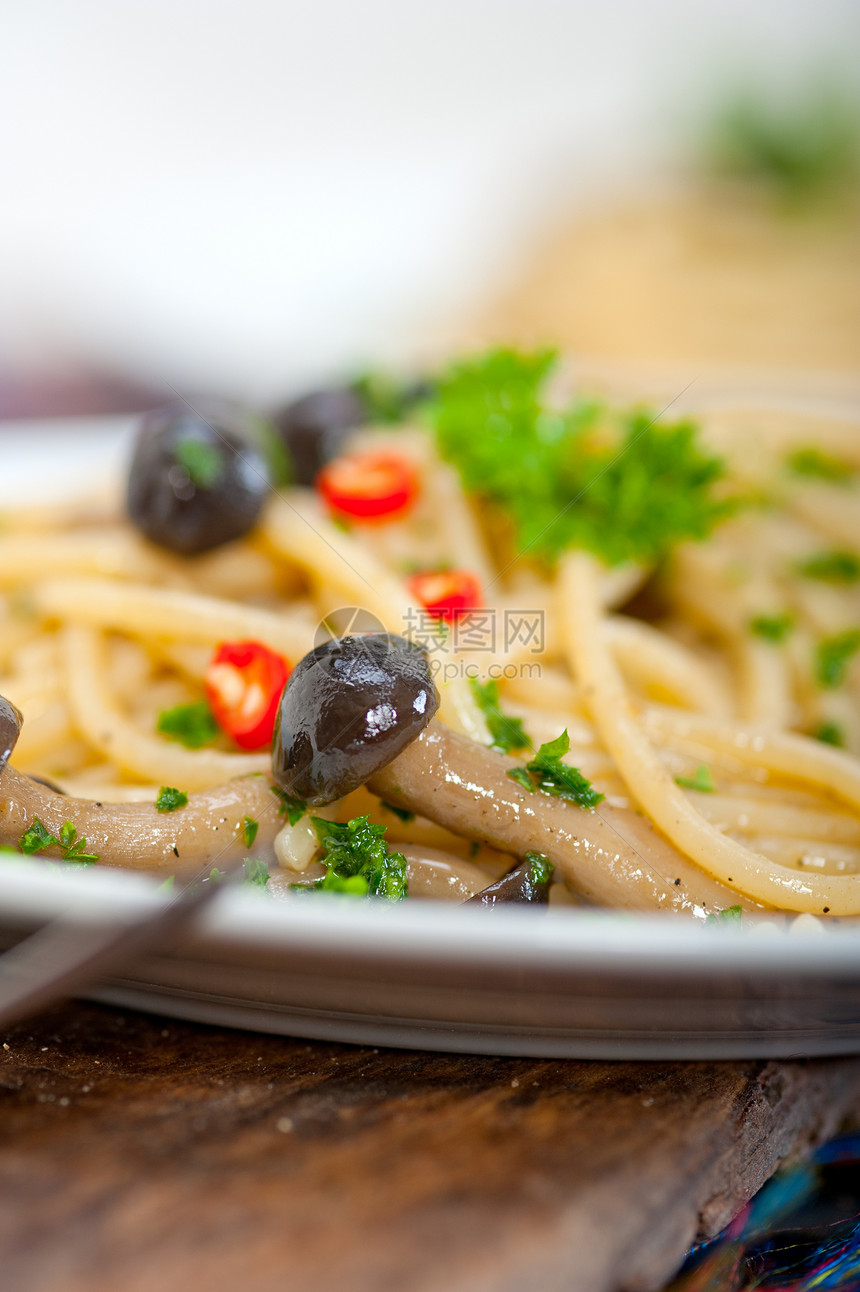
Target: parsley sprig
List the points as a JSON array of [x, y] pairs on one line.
[[292, 808], [256, 872], [37, 837], [169, 799], [830, 733], [772, 628], [833, 657], [386, 398], [626, 489], [729, 915], [701, 780], [831, 567], [192, 725], [815, 465], [358, 860], [202, 463], [506, 733], [802, 152], [547, 772]]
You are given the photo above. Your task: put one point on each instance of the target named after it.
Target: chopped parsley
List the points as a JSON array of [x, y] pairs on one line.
[[193, 725], [830, 733], [358, 860], [802, 152], [833, 657], [831, 567], [701, 780], [625, 489], [201, 462], [816, 465], [506, 733], [249, 831], [772, 628], [37, 838], [540, 867], [169, 799], [278, 461], [256, 872], [731, 915], [386, 399], [352, 885], [293, 809], [547, 772]]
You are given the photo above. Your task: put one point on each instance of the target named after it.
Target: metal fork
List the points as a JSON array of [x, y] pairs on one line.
[[69, 953]]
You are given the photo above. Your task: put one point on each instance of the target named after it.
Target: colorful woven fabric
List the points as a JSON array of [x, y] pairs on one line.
[[801, 1232]]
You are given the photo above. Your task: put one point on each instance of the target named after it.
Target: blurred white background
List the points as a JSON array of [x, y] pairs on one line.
[[248, 194]]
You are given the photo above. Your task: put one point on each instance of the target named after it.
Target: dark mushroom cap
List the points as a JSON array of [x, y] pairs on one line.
[[313, 429], [350, 707], [10, 729], [528, 882], [197, 478]]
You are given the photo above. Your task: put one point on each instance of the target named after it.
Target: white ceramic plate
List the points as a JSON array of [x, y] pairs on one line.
[[561, 983]]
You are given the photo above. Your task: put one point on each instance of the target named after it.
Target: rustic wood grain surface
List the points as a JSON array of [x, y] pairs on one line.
[[141, 1154]]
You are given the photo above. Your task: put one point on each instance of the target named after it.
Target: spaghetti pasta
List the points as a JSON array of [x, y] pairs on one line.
[[704, 698]]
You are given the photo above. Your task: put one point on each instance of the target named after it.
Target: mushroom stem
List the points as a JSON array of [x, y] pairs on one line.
[[10, 729], [608, 856], [208, 830]]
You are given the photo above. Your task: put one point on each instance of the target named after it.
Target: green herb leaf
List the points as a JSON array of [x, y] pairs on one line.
[[293, 809], [702, 781], [202, 463], [772, 628], [625, 491], [75, 850], [816, 465], [256, 872], [830, 733], [833, 657], [547, 772], [507, 733], [387, 400], [169, 799], [541, 868], [521, 776], [357, 849], [831, 567], [168, 885], [193, 725], [279, 465], [37, 838], [249, 831], [353, 885], [803, 152], [731, 915]]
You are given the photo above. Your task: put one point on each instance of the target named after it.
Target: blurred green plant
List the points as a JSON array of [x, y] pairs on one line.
[[803, 152]]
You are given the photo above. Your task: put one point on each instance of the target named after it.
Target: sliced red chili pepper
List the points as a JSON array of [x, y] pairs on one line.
[[368, 486], [243, 682], [447, 594]]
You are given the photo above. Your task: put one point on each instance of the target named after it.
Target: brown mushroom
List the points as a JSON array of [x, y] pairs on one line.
[[608, 856]]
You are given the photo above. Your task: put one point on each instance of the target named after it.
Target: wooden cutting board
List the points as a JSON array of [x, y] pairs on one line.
[[141, 1155]]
